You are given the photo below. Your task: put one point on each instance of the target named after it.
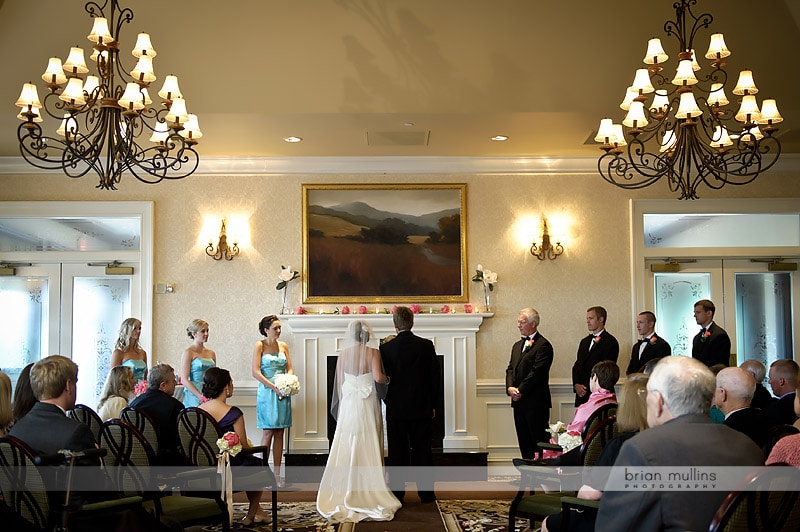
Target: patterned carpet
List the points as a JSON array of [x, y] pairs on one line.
[[457, 516]]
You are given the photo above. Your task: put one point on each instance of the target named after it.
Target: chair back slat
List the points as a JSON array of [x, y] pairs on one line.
[[87, 416], [130, 457], [598, 416], [596, 440], [198, 433], [23, 487], [142, 421]]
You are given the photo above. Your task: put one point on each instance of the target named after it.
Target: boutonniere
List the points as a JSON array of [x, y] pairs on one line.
[[527, 345], [704, 335], [596, 339], [653, 339]]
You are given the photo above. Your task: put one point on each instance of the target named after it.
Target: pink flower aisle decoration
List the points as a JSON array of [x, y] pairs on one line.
[[362, 309], [140, 388], [415, 308], [445, 309]]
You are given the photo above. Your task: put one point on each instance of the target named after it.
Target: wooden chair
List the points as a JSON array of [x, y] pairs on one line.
[[199, 433], [769, 500], [35, 500], [89, 417], [142, 421], [131, 466], [598, 416], [537, 506]]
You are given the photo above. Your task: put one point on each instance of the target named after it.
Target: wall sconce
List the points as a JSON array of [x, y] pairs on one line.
[[546, 249], [223, 250]]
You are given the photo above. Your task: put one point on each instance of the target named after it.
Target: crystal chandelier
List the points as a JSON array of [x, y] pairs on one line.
[[686, 132], [107, 123]]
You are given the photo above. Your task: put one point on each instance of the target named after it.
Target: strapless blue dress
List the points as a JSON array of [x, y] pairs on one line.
[[271, 412], [196, 370], [139, 368]]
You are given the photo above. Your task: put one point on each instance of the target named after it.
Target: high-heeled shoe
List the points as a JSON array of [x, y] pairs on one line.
[[256, 520]]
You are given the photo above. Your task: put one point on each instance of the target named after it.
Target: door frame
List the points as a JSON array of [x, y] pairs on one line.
[[143, 210]]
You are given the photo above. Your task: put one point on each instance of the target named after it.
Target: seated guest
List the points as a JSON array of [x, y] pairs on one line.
[[217, 387], [631, 419], [716, 414], [602, 379], [164, 409], [761, 397], [787, 449], [735, 388], [783, 379], [23, 394], [679, 395], [6, 417], [116, 392]]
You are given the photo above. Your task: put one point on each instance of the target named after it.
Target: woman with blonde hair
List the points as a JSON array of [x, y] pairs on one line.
[[196, 359], [631, 419], [128, 352], [6, 417], [117, 391]]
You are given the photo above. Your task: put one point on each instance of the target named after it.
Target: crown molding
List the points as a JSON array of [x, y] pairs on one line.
[[233, 166]]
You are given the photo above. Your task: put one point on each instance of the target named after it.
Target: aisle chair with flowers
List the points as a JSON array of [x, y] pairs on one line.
[[536, 506], [205, 446]]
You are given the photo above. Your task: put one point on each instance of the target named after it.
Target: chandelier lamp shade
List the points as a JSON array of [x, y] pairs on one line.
[[684, 128], [106, 122]]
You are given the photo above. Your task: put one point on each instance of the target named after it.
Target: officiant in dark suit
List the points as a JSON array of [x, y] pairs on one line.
[[650, 346], [528, 383], [410, 363], [599, 345], [711, 345]]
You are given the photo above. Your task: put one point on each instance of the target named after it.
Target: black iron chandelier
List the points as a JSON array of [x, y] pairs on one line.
[[108, 123], [686, 132]]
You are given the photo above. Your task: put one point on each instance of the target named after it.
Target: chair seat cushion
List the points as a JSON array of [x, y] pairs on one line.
[[542, 503], [184, 508]]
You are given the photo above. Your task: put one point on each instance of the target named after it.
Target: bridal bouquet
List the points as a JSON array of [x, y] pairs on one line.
[[229, 443], [568, 440], [287, 384]]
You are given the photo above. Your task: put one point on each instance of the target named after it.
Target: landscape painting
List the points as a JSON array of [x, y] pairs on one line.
[[384, 243]]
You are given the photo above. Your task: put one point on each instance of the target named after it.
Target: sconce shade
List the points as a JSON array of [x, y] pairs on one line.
[[100, 32], [73, 92], [688, 106], [635, 117], [29, 97], [748, 110], [685, 74], [75, 63], [55, 72], [143, 71], [655, 53], [720, 138], [641, 82], [91, 83], [769, 112], [717, 48], [746, 84], [161, 133], [169, 90], [132, 100], [605, 132], [177, 112], [717, 95], [143, 46], [191, 129]]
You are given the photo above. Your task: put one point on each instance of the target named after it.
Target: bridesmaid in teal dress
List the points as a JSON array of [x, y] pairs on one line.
[[128, 352], [273, 409], [194, 362]]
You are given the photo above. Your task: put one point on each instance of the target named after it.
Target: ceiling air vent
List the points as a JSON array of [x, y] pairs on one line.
[[397, 138]]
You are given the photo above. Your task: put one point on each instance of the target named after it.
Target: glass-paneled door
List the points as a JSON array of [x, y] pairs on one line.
[[753, 305]]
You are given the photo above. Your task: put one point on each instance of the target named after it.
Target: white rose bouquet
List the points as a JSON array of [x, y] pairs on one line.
[[287, 384]]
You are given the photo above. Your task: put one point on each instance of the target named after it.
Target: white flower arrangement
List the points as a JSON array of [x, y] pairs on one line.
[[287, 384], [568, 440], [229, 443]]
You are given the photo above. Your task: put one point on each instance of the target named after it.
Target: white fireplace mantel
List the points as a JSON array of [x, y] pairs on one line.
[[314, 337]]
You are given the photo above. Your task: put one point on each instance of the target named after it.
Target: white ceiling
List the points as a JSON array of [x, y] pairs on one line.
[[340, 72]]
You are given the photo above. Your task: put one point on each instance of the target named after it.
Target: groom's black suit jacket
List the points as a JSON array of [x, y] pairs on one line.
[[410, 363], [606, 349], [653, 350], [715, 349]]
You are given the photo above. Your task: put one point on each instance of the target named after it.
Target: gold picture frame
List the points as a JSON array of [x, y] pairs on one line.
[[402, 243]]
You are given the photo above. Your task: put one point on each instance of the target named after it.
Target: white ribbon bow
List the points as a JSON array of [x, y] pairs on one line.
[[226, 478]]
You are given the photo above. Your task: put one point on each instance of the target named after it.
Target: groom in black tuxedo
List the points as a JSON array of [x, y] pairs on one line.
[[599, 345], [711, 345], [650, 346], [410, 363]]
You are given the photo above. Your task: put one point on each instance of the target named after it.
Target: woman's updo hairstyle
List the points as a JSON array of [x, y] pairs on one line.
[[360, 331], [196, 326], [266, 323], [214, 381]]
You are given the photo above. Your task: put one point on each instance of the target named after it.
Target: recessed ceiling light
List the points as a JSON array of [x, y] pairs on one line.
[[409, 124], [499, 138], [292, 139]]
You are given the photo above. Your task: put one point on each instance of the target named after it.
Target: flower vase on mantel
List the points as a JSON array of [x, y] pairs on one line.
[[487, 300], [284, 309]]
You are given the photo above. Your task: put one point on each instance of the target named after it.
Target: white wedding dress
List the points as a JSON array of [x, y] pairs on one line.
[[353, 487]]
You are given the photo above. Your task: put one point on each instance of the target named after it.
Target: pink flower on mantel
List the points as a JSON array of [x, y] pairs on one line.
[[394, 308], [300, 310], [362, 309], [468, 308], [415, 308], [345, 310], [445, 309]]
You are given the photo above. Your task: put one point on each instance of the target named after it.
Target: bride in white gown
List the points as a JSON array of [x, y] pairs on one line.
[[353, 487]]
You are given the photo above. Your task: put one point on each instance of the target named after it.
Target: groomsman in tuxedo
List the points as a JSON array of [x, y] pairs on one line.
[[650, 346], [410, 363], [527, 383], [599, 345], [711, 345]]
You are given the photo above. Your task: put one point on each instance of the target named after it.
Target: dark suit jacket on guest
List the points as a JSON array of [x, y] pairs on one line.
[[410, 363], [164, 409], [654, 349], [716, 349], [686, 441], [529, 371], [781, 411], [762, 398], [606, 349], [752, 422], [47, 429]]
